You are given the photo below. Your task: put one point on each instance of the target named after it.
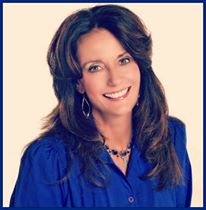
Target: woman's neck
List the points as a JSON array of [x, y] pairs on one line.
[[116, 130]]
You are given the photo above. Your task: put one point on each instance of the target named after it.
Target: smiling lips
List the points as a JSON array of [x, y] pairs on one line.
[[117, 95]]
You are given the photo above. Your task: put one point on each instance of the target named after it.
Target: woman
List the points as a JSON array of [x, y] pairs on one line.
[[110, 141]]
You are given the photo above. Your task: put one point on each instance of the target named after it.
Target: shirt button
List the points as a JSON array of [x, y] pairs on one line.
[[131, 199]]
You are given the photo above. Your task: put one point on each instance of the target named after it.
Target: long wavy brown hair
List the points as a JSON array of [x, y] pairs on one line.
[[81, 134]]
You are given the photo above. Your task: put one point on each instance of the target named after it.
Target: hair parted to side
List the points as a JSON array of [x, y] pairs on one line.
[[67, 118]]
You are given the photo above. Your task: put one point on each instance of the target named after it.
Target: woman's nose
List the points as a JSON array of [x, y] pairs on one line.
[[114, 77]]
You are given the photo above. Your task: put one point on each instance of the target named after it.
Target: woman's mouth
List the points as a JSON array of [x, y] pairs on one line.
[[118, 95]]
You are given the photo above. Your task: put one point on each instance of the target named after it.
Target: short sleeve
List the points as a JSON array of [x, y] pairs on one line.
[[184, 191], [43, 164]]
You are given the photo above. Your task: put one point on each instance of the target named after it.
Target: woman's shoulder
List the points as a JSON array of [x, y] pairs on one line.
[[177, 129], [47, 142], [174, 122], [43, 166], [48, 149]]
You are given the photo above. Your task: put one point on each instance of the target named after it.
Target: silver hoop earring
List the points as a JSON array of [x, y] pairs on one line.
[[85, 107]]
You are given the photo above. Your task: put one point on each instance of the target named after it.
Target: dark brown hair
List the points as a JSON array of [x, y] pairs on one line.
[[67, 120]]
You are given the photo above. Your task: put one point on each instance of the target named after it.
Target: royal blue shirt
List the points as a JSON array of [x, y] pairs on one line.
[[45, 161]]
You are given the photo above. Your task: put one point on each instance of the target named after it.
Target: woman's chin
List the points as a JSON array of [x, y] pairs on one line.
[[123, 111]]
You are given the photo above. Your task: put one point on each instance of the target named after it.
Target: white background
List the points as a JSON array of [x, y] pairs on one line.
[[177, 32]]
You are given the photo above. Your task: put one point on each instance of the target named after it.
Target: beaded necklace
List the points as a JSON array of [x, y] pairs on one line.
[[122, 154]]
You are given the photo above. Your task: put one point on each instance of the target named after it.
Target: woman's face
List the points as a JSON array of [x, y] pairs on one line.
[[111, 78]]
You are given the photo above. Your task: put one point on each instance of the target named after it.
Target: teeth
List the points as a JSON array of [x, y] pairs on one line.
[[117, 95]]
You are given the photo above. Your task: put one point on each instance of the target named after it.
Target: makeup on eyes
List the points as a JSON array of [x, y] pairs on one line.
[[126, 58], [98, 66], [100, 61], [94, 68]]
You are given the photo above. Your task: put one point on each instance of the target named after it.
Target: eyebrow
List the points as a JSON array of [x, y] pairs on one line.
[[99, 60]]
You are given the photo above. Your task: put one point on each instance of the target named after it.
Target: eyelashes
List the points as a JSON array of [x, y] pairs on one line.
[[94, 68], [124, 60], [97, 67]]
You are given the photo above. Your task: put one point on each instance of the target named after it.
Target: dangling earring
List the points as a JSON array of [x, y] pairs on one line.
[[84, 104], [137, 104]]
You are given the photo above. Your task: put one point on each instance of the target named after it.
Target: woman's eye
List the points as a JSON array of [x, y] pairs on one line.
[[124, 61], [94, 68]]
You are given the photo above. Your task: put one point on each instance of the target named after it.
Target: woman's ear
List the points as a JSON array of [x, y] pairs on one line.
[[80, 87]]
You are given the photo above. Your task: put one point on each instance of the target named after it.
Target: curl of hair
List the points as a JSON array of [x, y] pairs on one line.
[[152, 113]]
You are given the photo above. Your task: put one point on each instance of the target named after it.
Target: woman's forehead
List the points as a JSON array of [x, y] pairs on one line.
[[98, 43]]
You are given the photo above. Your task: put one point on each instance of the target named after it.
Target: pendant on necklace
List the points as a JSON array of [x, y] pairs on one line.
[[125, 161]]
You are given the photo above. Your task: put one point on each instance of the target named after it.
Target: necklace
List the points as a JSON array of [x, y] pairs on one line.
[[122, 154]]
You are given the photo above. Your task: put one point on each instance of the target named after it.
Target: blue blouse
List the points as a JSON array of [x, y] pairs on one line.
[[45, 161]]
